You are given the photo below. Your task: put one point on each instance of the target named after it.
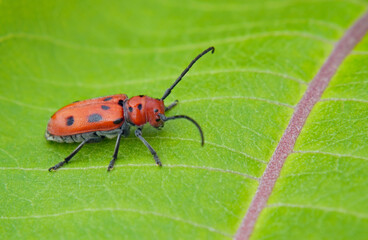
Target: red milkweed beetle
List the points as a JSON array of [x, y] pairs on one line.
[[110, 116]]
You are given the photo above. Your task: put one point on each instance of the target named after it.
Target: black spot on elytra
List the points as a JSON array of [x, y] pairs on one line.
[[156, 110], [94, 117], [140, 106], [117, 121], [121, 102], [141, 95], [69, 121], [107, 99], [104, 107], [130, 109]]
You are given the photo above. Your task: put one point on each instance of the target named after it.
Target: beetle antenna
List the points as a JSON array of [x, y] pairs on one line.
[[168, 91], [164, 118]]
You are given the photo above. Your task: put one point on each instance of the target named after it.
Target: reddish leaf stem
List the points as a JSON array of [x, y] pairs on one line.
[[313, 94]]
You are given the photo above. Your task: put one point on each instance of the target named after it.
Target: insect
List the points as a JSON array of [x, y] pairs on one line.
[[110, 116]]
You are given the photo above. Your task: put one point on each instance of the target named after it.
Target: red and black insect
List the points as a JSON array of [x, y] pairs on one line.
[[94, 119]]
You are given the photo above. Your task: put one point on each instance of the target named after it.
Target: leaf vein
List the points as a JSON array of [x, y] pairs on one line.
[[332, 154], [344, 100], [93, 210], [124, 51], [138, 165], [325, 209], [238, 97], [155, 79]]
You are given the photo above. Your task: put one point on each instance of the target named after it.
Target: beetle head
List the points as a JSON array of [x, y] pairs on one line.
[[155, 107]]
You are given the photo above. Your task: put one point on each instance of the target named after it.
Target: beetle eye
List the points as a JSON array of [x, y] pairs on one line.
[[156, 110], [157, 120]]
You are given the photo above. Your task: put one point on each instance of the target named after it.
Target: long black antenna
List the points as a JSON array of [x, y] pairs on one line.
[[168, 91], [164, 118]]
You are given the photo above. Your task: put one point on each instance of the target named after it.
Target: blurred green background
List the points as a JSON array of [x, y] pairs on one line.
[[55, 52]]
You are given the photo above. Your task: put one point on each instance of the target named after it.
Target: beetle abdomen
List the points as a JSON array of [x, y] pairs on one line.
[[82, 136]]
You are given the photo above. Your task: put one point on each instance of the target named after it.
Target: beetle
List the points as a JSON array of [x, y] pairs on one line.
[[110, 116]]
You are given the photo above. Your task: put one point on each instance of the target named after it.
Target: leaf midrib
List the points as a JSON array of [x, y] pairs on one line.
[[312, 95]]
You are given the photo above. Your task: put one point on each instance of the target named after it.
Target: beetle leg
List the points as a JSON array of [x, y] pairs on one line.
[[171, 105], [67, 159], [138, 133], [114, 157]]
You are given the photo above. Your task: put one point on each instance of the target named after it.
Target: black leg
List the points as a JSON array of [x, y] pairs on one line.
[[138, 133], [112, 162], [171, 105], [67, 159]]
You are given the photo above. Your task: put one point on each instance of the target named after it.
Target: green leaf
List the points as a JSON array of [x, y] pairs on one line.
[[53, 53]]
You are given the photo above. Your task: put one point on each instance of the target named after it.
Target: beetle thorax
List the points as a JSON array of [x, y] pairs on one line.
[[143, 109]]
